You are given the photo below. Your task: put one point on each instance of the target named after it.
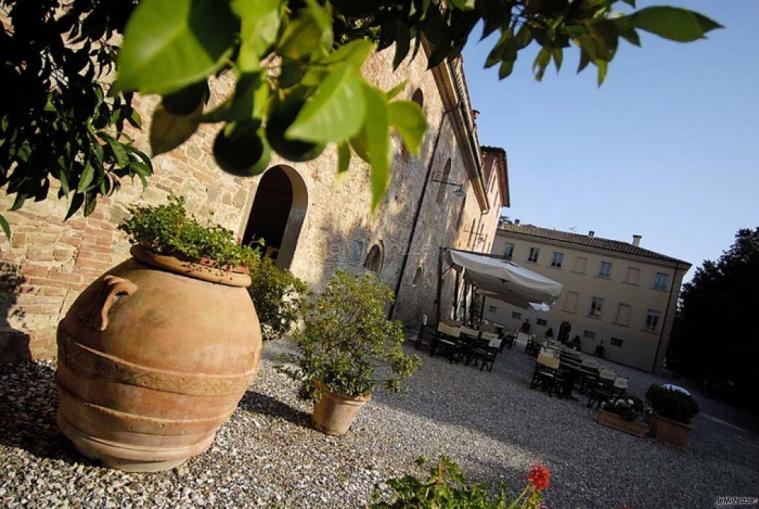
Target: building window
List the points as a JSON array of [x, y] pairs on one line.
[[418, 276], [508, 251], [589, 334], [595, 307], [493, 309], [633, 275], [652, 320], [616, 342], [581, 264], [662, 281], [623, 314], [604, 270], [516, 315], [373, 260], [534, 255], [570, 303], [541, 321], [557, 260]]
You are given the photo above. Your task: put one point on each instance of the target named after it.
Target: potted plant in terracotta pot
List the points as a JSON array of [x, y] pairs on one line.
[[154, 356], [623, 414], [347, 347], [673, 409]]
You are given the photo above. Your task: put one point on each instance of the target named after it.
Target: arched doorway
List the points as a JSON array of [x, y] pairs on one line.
[[564, 330], [277, 214]]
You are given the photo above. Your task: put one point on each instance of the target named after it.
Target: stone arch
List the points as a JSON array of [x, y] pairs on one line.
[[277, 213]]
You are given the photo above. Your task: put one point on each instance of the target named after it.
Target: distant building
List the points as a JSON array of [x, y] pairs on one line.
[[616, 293]]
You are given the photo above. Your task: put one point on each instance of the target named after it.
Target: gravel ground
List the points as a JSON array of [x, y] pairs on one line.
[[491, 423]]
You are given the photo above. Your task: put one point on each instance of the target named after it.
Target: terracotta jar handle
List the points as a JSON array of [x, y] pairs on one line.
[[116, 287]]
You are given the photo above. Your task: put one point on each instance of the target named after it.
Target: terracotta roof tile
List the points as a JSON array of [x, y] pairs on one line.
[[586, 240]]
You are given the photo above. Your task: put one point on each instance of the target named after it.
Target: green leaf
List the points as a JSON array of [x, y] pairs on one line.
[[85, 179], [116, 147], [172, 43], [250, 98], [343, 158], [542, 60], [673, 23], [558, 57], [334, 112], [373, 141], [168, 131], [408, 119], [602, 66], [464, 5], [354, 53], [258, 30], [186, 100], [397, 89], [308, 33], [5, 226]]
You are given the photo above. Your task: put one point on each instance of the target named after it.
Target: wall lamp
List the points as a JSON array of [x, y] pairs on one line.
[[458, 188]]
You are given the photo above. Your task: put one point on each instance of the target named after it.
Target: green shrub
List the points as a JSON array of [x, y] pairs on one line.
[[446, 488], [672, 404], [168, 229], [278, 296], [346, 342]]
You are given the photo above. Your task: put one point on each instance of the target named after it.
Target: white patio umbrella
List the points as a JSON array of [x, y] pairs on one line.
[[505, 280]]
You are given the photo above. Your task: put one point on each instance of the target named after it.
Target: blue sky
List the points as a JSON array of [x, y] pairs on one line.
[[667, 147]]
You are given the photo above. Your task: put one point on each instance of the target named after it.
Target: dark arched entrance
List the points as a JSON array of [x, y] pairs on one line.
[[277, 213], [564, 330]]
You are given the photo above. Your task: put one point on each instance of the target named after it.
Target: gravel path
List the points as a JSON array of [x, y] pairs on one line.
[[268, 456]]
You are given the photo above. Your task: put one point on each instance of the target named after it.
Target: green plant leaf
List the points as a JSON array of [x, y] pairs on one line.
[[464, 5], [397, 89], [186, 100], [308, 33], [373, 141], [673, 23], [260, 23], [343, 159], [334, 112], [172, 43], [408, 119], [85, 179], [5, 226], [168, 131], [354, 53]]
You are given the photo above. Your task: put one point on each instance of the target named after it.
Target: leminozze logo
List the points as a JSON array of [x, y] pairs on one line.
[[735, 501]]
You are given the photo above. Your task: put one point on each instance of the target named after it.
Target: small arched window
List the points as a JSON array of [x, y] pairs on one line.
[[443, 179], [418, 97], [374, 258], [418, 275]]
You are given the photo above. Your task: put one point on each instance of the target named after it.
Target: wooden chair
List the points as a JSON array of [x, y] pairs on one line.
[[446, 342], [485, 353]]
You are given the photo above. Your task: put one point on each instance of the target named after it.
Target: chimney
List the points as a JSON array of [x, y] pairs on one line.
[[516, 221], [591, 233], [636, 240]]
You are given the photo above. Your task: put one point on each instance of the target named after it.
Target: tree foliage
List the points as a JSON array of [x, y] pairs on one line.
[[715, 333], [278, 296], [58, 122], [296, 65]]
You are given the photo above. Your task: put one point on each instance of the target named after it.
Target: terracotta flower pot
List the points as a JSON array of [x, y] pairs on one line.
[[153, 357], [334, 413], [669, 431], [612, 420]]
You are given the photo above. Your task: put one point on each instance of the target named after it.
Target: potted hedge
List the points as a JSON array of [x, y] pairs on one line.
[[623, 414], [347, 347], [673, 410], [154, 356]]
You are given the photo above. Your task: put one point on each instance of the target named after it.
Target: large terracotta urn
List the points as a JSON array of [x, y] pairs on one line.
[[153, 357]]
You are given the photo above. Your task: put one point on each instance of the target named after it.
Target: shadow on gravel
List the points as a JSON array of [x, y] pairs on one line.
[[28, 402], [258, 403]]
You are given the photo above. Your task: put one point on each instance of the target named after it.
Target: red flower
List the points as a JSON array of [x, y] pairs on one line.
[[539, 477]]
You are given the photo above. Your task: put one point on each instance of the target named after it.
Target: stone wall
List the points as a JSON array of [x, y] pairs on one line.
[[48, 262]]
